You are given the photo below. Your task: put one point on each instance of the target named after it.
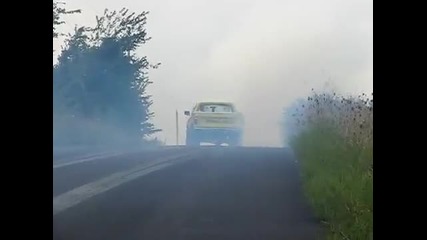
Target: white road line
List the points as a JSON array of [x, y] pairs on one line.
[[93, 157], [87, 191], [86, 159]]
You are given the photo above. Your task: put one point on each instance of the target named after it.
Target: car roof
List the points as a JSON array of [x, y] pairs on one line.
[[216, 102]]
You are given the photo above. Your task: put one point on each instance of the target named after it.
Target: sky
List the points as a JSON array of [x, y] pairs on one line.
[[260, 54]]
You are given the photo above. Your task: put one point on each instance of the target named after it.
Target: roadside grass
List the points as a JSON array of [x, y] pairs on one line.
[[335, 151]]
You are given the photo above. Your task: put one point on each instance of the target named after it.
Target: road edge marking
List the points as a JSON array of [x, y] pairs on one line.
[[80, 194], [86, 159]]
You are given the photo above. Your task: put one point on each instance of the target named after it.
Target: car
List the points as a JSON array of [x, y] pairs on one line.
[[214, 122]]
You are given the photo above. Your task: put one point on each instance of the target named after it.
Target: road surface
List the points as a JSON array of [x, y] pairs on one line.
[[182, 194]]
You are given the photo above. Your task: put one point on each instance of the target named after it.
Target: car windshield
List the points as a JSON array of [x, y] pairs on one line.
[[223, 108]]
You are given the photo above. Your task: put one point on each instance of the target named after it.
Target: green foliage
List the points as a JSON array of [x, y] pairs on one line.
[[338, 182], [333, 144], [99, 78]]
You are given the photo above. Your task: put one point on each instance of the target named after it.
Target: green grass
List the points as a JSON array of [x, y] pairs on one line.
[[332, 137], [337, 176]]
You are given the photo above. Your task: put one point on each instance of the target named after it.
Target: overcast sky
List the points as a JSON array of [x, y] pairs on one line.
[[260, 54]]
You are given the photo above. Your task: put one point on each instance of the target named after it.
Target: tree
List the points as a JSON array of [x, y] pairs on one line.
[[57, 12], [98, 76]]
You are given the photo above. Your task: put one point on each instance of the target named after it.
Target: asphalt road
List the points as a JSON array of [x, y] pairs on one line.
[[199, 193]]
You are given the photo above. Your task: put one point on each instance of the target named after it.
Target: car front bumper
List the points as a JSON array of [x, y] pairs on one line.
[[212, 134]]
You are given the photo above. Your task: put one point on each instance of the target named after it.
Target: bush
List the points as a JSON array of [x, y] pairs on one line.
[[69, 130], [100, 84], [335, 150]]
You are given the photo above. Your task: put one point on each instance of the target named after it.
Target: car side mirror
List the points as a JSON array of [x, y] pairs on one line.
[[187, 113]]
